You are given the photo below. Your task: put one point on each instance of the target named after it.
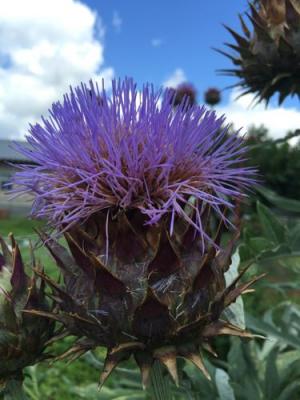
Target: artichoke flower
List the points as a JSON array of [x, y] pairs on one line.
[[184, 92], [23, 336], [267, 59], [143, 193], [212, 96]]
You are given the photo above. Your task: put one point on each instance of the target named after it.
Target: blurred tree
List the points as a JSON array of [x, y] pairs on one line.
[[277, 160]]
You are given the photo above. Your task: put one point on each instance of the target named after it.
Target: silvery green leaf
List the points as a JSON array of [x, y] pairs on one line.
[[225, 391], [235, 312]]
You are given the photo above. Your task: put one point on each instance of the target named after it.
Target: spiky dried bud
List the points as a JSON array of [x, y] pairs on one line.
[[23, 337], [142, 192], [212, 96], [268, 58], [184, 91]]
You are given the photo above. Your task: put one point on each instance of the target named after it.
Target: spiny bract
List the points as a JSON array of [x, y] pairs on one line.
[[268, 59], [23, 336], [142, 192]]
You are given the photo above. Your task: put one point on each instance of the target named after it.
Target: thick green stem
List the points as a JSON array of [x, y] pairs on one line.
[[159, 384], [13, 390]]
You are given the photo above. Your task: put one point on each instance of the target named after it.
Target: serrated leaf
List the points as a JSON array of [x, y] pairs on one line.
[[273, 229], [271, 331], [282, 255], [280, 202]]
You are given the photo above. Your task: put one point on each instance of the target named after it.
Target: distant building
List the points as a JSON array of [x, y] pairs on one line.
[[9, 158]]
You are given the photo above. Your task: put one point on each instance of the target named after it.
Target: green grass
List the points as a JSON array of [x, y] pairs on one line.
[[24, 230], [19, 226]]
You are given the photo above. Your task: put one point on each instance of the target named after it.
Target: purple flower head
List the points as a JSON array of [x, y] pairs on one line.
[[131, 150]]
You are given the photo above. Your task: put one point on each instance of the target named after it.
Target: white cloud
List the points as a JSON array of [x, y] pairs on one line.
[[47, 46], [175, 79], [117, 21], [278, 120], [156, 42]]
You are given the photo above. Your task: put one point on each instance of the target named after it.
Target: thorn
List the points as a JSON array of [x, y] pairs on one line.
[[248, 291], [171, 365], [167, 356], [145, 371], [232, 295], [109, 365], [144, 362], [111, 361], [206, 346], [224, 328], [197, 360], [127, 346]]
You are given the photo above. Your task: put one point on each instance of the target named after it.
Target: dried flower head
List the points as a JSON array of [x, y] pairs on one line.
[[184, 92], [132, 151], [212, 96]]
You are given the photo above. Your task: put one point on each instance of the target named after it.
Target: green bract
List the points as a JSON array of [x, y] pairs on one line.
[[22, 336]]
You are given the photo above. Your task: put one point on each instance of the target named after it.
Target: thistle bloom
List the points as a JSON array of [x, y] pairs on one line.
[[132, 151], [137, 186]]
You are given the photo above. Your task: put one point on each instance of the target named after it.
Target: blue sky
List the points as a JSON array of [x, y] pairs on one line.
[[48, 45], [157, 37]]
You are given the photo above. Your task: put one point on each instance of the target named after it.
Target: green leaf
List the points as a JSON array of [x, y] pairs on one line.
[[235, 313], [290, 391], [289, 371], [271, 331], [225, 391], [242, 368], [280, 202], [294, 237], [91, 392], [273, 229], [272, 380], [245, 252], [259, 244], [282, 255]]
